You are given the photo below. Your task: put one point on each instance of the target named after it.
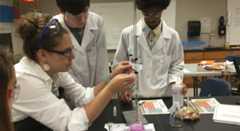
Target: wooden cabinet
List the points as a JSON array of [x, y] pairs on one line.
[[193, 57], [217, 55], [235, 52]]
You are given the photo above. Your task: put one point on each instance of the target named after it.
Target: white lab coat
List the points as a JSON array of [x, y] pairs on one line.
[[161, 65], [37, 101], [90, 65]]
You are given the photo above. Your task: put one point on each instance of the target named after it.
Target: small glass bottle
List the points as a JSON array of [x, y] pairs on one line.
[[174, 121], [177, 96], [177, 103]]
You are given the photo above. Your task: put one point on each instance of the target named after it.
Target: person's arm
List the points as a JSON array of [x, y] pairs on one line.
[[122, 55], [177, 61], [122, 67], [78, 94], [119, 83], [81, 95], [36, 100]]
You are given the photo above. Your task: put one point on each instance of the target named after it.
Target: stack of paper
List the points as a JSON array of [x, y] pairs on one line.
[[229, 114], [205, 106], [151, 107]]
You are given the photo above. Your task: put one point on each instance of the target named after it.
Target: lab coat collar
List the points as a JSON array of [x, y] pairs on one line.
[[32, 68], [140, 35], [89, 30], [138, 27], [166, 33], [165, 29], [147, 29], [90, 21]]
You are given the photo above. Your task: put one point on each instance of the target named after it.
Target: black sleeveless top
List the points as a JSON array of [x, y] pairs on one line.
[[30, 124]]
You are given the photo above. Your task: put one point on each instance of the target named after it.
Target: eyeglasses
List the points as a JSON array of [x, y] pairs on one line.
[[67, 52]]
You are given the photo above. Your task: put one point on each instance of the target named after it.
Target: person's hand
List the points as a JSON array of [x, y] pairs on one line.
[[183, 87], [125, 96], [122, 67], [121, 82]]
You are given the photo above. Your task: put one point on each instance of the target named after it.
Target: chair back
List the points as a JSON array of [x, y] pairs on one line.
[[215, 87], [236, 62]]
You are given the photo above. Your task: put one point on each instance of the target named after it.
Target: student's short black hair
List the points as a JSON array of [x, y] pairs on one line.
[[73, 6], [146, 4]]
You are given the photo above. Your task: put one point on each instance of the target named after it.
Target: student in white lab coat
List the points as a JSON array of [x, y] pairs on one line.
[[161, 56], [49, 54], [90, 65]]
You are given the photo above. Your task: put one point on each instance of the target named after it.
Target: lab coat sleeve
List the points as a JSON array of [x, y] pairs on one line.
[[38, 102], [76, 92], [177, 63], [122, 49], [102, 70]]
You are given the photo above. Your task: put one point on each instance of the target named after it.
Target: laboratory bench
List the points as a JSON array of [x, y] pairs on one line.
[[161, 121], [217, 54], [196, 55]]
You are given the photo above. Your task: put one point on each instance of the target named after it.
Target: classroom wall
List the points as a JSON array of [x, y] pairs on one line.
[[206, 10], [49, 6], [209, 10]]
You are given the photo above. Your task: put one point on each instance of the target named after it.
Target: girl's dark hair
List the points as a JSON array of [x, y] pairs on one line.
[[6, 74], [74, 7], [37, 34], [146, 4]]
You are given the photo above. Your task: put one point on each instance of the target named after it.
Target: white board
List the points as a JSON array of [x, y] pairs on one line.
[[233, 25], [5, 2], [118, 15]]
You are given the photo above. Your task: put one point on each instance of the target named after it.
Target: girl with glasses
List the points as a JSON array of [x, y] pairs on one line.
[[49, 55]]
